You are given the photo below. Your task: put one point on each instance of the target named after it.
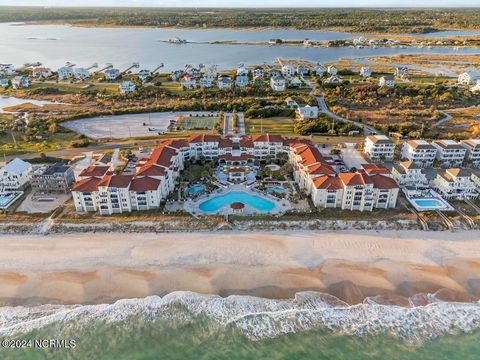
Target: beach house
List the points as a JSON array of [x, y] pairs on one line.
[[4, 83], [205, 82], [111, 74], [41, 72], [224, 82], [288, 71], [455, 183], [81, 74], [319, 70], [127, 87], [258, 72], [410, 175], [379, 148], [241, 81], [53, 178], [366, 71], [16, 175], [449, 153], [188, 82], [466, 78], [306, 112], [332, 70], [64, 72], [302, 70], [420, 152], [20, 82], [144, 75], [472, 156], [242, 71], [387, 81], [7, 69], [278, 83]]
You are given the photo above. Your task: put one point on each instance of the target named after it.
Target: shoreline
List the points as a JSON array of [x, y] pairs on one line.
[[351, 265]]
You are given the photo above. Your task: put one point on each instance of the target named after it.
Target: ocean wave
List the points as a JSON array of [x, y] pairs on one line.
[[259, 318]]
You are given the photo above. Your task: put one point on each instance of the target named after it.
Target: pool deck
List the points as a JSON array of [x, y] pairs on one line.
[[193, 206], [432, 196]]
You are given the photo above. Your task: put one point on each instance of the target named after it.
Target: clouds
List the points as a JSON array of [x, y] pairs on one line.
[[250, 3]]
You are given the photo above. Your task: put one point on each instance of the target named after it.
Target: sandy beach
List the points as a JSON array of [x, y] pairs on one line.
[[94, 268]]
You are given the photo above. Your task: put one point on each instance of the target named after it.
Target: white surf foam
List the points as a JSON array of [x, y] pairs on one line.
[[259, 318]]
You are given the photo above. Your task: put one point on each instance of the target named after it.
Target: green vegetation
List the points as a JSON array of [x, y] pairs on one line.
[[357, 20], [273, 125], [323, 125], [257, 111]]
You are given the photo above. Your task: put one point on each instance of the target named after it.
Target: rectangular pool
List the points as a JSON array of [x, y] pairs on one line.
[[425, 204]]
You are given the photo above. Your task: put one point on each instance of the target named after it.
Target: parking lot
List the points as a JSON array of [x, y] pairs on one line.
[[352, 157], [36, 203]]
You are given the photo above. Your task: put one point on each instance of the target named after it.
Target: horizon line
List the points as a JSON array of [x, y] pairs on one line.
[[247, 8]]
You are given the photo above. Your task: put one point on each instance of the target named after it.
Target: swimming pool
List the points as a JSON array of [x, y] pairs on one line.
[[6, 199], [276, 189], [429, 204], [257, 202], [196, 189]]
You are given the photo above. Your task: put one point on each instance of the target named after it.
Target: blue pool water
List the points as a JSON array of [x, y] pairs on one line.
[[5, 199], [276, 189], [429, 203], [257, 202], [196, 189]]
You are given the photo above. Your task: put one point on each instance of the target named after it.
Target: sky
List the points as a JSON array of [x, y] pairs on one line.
[[250, 3]]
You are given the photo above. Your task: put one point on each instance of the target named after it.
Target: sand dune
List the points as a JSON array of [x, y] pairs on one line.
[[390, 266]]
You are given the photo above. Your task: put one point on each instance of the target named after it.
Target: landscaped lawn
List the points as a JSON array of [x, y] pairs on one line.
[[274, 125], [197, 122]]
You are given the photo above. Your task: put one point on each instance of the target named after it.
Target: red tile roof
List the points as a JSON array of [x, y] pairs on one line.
[[87, 185], [97, 171], [162, 156], [267, 138], [175, 143], [120, 181], [320, 169], [328, 183], [383, 182], [144, 184], [225, 143], [357, 178], [203, 138], [295, 141], [246, 142], [372, 169], [151, 170]]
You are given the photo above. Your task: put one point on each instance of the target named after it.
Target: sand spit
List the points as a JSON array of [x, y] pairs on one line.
[[390, 266]]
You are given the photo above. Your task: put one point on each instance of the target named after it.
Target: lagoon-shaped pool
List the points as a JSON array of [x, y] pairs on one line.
[[257, 202]]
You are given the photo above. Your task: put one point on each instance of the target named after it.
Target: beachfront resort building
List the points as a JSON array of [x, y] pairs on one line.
[[278, 83], [455, 183], [155, 177], [53, 178], [387, 81], [127, 87], [361, 191], [16, 175], [449, 153], [472, 155], [379, 148], [420, 152]]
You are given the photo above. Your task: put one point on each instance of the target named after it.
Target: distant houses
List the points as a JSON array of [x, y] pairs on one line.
[[7, 70], [332, 70], [278, 83], [4, 83], [127, 87], [81, 74], [20, 82], [288, 71], [307, 112], [366, 71], [466, 78], [241, 81], [224, 82], [144, 75], [111, 74], [64, 73], [387, 81], [188, 82], [41, 72]]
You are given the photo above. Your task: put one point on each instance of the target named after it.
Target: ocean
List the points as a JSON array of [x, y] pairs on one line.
[[185, 325]]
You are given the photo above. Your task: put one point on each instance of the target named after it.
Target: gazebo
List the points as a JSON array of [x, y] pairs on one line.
[[237, 207]]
